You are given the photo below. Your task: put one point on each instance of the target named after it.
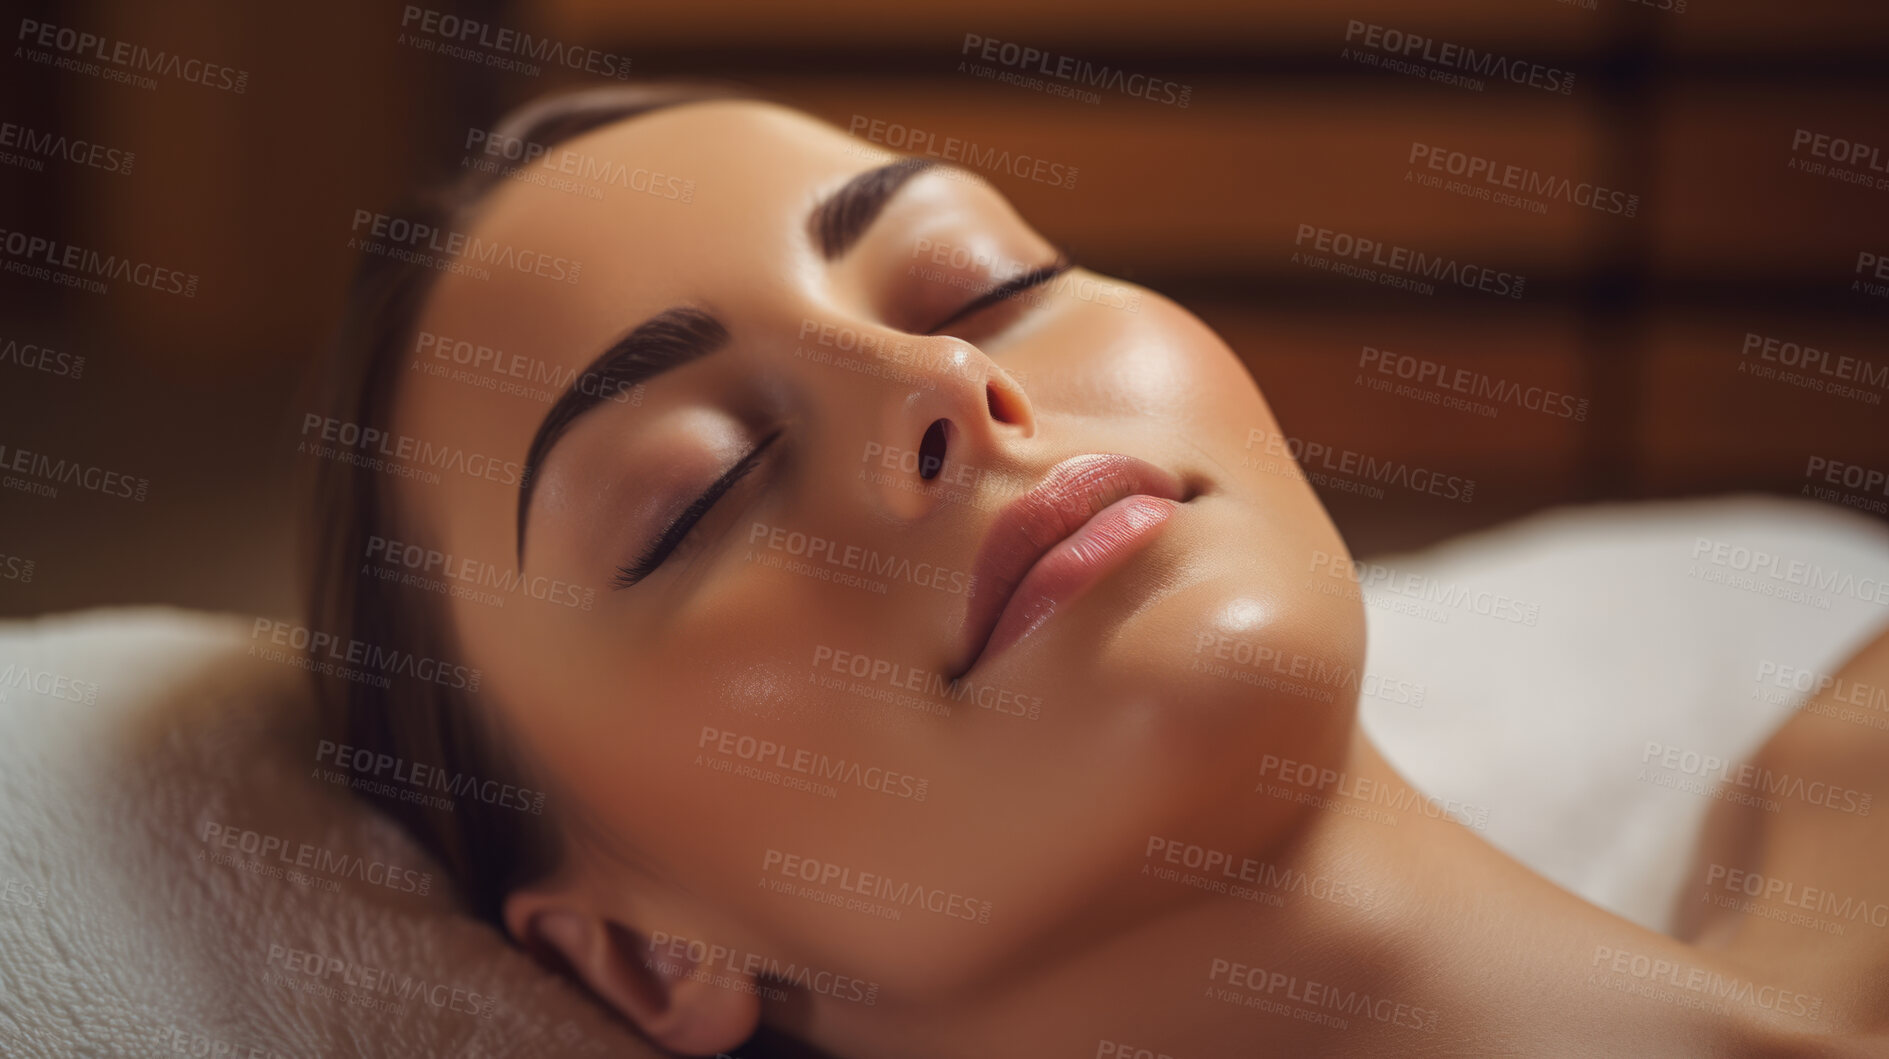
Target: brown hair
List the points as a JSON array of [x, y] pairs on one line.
[[488, 849]]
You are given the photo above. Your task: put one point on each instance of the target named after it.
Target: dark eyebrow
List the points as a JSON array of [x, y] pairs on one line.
[[667, 340], [839, 220]]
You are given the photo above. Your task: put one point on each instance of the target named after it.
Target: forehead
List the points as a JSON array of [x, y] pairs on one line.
[[610, 223], [702, 204]]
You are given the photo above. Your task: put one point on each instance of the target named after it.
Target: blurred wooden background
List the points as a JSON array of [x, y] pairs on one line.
[[1694, 111]]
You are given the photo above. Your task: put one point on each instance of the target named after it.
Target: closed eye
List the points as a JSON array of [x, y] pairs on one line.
[[678, 531], [1005, 291]]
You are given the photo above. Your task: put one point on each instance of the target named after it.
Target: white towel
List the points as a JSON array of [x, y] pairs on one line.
[[122, 934]]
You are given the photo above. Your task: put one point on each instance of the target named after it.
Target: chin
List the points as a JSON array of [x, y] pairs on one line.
[[1179, 674], [1243, 632]]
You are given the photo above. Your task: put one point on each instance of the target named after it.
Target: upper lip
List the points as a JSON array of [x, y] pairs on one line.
[[1028, 527]]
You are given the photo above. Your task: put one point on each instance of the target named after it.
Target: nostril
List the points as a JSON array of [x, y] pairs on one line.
[[931, 451], [999, 404]]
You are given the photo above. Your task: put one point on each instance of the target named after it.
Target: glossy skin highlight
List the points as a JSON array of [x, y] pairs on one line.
[[1048, 768]]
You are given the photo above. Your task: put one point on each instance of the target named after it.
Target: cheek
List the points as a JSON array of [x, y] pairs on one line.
[[694, 741], [1261, 651], [1155, 359], [1218, 397], [724, 760], [1253, 662]]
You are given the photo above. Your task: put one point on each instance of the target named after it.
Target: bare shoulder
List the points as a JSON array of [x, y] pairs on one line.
[[1792, 876], [1843, 726]]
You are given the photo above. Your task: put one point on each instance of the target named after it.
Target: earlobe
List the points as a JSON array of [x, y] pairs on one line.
[[682, 1006]]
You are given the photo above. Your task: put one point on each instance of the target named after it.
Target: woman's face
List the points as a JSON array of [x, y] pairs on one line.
[[800, 709]]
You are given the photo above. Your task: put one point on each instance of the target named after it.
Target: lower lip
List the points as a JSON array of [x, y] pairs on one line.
[[1110, 537]]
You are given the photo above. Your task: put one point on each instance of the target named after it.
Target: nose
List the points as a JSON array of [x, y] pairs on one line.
[[958, 411]]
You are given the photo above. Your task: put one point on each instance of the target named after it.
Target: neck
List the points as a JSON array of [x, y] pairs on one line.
[[1367, 932]]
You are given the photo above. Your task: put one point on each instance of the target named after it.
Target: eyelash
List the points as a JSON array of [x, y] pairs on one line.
[[1006, 290], [678, 531]]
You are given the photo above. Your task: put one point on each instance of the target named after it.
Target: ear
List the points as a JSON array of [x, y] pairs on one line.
[[685, 1008]]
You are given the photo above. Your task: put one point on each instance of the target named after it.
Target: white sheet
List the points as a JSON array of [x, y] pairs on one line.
[[1547, 725]]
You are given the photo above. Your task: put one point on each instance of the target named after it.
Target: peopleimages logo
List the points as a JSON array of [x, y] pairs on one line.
[[706, 958], [504, 47], [22, 894], [1841, 151], [1870, 264], [963, 152], [195, 1043], [38, 257], [1373, 577], [1432, 373], [1829, 687], [42, 475], [898, 894], [1326, 465], [464, 577], [328, 654], [381, 232], [57, 145], [32, 357], [587, 170], [307, 856], [803, 762], [1021, 59], [48, 683], [1754, 778], [368, 982], [1782, 576], [513, 374], [1281, 993], [1823, 694], [1403, 266], [1812, 899], [824, 551], [935, 691], [1264, 665], [1220, 866], [1507, 184], [1843, 160], [128, 57], [16, 568], [399, 454], [1811, 368], [1849, 476], [1313, 778], [1656, 971], [381, 769], [1457, 58]]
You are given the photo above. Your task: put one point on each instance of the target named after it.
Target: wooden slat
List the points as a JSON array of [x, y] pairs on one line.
[[1703, 26], [1112, 23], [1764, 26], [1708, 423], [1729, 204], [1225, 184], [1312, 368]]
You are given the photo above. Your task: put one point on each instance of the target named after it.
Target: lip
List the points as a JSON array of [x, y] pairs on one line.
[[1086, 517]]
